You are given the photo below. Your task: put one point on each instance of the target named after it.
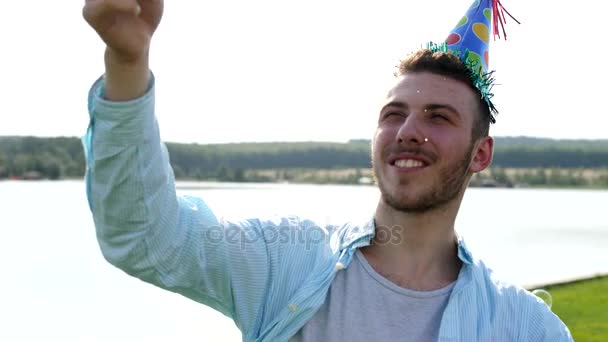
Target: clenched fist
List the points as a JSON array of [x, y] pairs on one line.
[[126, 26]]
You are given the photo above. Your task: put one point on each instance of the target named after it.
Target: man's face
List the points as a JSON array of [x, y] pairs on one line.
[[414, 174]]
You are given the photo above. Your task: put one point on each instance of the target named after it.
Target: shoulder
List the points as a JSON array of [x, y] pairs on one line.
[[520, 308]]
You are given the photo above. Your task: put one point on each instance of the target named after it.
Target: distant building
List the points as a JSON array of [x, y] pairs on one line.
[[31, 175], [365, 180]]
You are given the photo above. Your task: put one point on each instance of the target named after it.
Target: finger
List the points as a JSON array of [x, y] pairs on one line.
[[95, 10]]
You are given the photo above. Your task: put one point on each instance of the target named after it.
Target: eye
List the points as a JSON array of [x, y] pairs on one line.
[[392, 115], [439, 116]]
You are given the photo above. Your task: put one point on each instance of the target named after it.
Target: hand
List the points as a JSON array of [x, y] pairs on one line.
[[126, 26]]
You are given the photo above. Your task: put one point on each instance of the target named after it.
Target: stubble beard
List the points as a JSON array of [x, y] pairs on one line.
[[449, 185]]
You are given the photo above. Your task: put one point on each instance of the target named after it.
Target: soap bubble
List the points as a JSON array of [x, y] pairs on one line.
[[544, 295]]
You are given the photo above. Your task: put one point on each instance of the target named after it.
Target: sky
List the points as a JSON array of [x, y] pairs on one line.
[[278, 70]]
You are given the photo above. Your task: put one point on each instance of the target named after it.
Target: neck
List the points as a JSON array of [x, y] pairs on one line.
[[416, 250]]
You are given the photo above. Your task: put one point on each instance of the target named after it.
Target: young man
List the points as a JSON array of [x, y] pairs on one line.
[[405, 275]]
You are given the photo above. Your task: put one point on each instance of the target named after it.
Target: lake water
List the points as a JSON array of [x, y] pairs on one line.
[[56, 286]]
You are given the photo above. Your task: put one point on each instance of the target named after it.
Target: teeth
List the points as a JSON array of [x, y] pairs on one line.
[[408, 163]]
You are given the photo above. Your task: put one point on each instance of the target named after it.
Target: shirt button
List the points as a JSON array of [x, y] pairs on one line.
[[339, 266], [293, 307]]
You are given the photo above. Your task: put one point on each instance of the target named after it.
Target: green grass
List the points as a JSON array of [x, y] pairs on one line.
[[583, 307]]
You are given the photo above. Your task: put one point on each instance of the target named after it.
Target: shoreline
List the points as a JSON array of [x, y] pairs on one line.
[[185, 184], [565, 282]]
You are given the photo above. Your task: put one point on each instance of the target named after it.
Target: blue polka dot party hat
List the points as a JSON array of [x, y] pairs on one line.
[[470, 40]]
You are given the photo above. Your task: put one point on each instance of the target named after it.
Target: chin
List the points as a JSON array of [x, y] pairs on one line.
[[409, 204], [418, 197]]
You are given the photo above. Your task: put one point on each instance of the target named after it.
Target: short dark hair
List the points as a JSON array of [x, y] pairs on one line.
[[449, 65]]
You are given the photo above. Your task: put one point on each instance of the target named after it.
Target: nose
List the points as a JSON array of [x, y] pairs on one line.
[[410, 131]]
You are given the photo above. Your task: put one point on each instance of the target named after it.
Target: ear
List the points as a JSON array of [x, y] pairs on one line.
[[482, 154]]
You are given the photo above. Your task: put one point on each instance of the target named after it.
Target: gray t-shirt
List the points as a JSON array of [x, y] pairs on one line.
[[362, 305]]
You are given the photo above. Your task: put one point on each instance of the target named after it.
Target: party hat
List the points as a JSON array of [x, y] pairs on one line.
[[470, 41]]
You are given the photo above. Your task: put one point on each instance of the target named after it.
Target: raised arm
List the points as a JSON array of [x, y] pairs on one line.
[[143, 227]]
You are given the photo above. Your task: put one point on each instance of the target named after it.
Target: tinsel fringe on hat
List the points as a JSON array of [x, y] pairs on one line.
[[483, 81]]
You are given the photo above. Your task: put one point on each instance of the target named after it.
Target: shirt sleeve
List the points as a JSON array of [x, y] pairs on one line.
[[545, 326], [144, 228]]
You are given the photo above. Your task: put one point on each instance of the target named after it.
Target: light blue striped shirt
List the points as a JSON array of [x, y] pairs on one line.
[[269, 275]]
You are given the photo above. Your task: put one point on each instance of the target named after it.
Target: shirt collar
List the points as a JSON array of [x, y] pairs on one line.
[[359, 235]]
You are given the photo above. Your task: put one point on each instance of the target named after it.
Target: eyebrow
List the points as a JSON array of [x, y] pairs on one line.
[[432, 106], [397, 104]]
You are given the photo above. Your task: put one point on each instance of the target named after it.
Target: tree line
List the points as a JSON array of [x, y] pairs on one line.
[[63, 157]]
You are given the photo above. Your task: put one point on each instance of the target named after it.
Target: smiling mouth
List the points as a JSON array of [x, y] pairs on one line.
[[406, 164]]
